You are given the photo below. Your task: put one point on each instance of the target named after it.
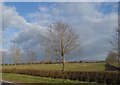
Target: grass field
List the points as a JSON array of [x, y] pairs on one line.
[[68, 66], [18, 78]]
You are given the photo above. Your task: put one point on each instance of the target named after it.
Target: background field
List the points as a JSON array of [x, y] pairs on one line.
[[68, 66]]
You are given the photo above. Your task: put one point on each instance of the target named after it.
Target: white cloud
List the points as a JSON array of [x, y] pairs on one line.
[[30, 36], [11, 19], [43, 9]]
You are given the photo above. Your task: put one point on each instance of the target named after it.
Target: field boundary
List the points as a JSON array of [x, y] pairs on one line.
[[98, 77]]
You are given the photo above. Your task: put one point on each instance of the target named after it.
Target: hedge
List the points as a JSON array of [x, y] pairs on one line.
[[109, 67], [106, 77]]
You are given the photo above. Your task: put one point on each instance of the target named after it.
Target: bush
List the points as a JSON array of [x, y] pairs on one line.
[[109, 67], [99, 77]]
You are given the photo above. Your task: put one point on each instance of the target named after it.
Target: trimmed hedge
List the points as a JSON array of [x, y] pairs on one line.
[[109, 67], [99, 77]]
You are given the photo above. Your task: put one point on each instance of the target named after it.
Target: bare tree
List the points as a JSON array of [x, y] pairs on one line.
[[111, 58], [61, 40], [3, 54], [115, 42], [118, 45], [31, 56], [16, 54]]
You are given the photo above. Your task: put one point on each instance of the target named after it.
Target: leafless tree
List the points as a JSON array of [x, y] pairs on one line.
[[115, 42], [16, 54], [119, 46], [3, 57], [111, 58], [31, 56], [61, 41]]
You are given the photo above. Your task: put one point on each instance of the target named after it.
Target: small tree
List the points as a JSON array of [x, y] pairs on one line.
[[16, 53], [61, 40], [31, 56], [115, 42], [111, 58], [3, 57]]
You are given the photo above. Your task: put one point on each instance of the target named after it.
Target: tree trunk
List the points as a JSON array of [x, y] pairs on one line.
[[15, 65], [63, 61]]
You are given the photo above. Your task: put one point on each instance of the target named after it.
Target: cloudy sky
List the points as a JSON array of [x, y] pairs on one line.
[[94, 21]]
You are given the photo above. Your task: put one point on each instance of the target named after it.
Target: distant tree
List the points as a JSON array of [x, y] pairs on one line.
[[3, 57], [61, 41], [16, 54], [111, 58], [31, 56], [115, 42]]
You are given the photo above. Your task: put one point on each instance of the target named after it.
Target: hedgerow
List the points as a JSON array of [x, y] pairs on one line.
[[106, 77]]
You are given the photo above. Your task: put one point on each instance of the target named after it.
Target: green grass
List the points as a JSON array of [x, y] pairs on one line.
[[20, 78], [0, 76], [68, 66]]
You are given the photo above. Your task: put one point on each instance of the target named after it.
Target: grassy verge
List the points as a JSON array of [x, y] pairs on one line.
[[18, 78]]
